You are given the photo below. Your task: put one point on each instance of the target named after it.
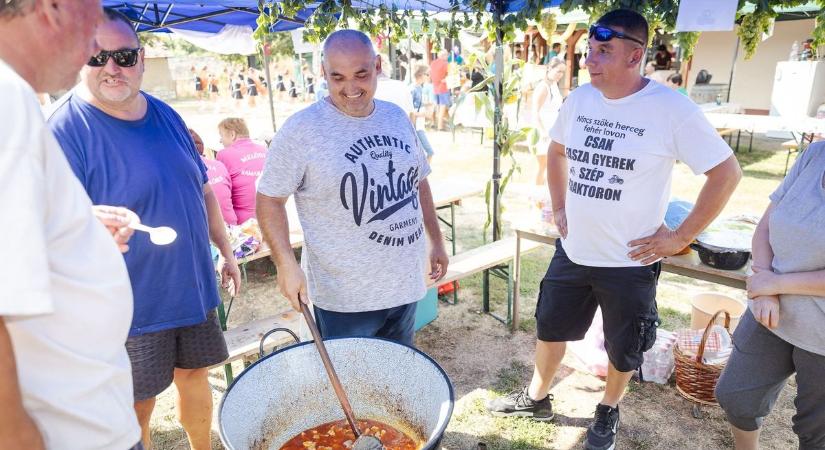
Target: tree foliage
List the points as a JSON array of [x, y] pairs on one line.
[[754, 18]]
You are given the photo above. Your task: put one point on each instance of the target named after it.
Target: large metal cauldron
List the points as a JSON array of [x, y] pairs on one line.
[[288, 392]]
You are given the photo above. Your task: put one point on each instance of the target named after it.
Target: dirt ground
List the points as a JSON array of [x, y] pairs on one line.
[[483, 359]]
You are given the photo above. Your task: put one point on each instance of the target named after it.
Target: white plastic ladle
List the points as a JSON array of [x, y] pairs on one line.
[[158, 235]]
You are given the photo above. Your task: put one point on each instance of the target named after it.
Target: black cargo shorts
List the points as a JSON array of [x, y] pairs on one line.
[[570, 294]]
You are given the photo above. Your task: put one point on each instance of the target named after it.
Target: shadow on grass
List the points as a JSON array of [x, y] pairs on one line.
[[763, 174], [490, 441], [175, 439], [673, 320], [748, 159]]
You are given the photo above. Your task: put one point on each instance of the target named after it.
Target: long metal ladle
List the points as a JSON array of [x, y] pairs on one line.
[[362, 441]]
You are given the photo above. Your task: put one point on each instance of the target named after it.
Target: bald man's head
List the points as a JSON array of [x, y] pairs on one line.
[[351, 69], [347, 40]]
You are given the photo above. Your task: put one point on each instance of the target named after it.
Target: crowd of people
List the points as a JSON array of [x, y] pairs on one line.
[[96, 321], [238, 88]]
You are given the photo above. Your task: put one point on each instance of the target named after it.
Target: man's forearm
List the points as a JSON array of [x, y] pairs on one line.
[[719, 186], [274, 224], [16, 427], [557, 174], [217, 229], [425, 197]]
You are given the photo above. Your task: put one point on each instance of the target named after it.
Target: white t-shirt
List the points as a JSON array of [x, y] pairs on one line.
[[620, 156], [66, 299], [395, 91]]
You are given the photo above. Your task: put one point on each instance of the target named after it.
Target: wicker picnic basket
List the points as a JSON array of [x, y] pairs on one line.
[[696, 380]]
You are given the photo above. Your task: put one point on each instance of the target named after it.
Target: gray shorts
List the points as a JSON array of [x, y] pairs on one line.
[[756, 373], [155, 356]]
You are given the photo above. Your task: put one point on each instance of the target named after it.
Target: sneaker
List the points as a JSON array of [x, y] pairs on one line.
[[602, 433], [519, 404]]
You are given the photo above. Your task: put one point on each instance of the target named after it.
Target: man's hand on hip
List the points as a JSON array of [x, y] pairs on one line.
[[117, 220], [665, 242], [439, 260], [560, 217], [293, 284]]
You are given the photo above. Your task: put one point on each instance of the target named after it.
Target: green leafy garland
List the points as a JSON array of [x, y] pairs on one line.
[[662, 14], [474, 14], [394, 22]]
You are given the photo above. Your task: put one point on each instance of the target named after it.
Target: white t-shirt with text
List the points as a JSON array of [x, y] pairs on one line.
[[620, 157], [66, 301]]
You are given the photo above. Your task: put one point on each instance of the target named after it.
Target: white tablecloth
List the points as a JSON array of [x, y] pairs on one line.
[[764, 124]]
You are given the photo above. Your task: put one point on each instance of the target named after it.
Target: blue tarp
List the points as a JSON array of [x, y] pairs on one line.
[[210, 17]]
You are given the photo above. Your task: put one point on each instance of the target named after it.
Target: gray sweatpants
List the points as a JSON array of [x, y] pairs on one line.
[[758, 369]]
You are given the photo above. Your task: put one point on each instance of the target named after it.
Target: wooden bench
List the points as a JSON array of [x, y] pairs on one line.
[[244, 340], [489, 255]]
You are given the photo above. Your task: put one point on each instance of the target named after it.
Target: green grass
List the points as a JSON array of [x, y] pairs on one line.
[[499, 433], [511, 378]]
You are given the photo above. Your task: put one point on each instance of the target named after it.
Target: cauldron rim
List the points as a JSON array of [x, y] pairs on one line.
[[440, 432]]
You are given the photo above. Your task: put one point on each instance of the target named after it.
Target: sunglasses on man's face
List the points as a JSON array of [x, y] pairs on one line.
[[604, 34], [126, 57]]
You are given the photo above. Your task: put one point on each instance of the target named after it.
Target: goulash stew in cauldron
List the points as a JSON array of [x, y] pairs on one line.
[[338, 436]]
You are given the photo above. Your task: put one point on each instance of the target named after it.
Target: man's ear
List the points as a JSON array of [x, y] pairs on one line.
[[636, 56], [378, 64], [49, 11]]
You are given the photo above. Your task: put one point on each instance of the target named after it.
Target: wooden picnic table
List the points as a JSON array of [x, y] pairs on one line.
[[687, 265]]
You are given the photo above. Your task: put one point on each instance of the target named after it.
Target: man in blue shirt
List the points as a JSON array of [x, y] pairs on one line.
[[129, 148]]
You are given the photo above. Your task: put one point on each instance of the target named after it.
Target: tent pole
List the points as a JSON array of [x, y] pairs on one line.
[[498, 8], [269, 87], [733, 68], [410, 74]]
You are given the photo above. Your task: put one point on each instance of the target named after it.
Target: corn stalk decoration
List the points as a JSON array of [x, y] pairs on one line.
[[506, 136]]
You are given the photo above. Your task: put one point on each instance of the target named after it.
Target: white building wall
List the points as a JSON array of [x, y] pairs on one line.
[[753, 79]]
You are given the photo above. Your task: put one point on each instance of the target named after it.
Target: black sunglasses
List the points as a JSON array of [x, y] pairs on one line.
[[126, 57], [604, 34]]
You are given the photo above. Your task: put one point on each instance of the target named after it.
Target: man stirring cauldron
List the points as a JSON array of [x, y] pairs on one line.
[[359, 179]]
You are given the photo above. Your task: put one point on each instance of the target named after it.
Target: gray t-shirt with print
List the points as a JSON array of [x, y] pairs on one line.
[[355, 181], [796, 225]]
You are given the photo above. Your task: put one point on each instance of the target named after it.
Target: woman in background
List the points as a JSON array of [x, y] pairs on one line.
[[547, 100], [244, 160]]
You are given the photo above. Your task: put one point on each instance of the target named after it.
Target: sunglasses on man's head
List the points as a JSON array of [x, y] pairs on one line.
[[604, 34], [126, 57]]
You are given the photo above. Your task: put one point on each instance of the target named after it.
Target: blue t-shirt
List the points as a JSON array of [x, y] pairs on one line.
[[150, 166]]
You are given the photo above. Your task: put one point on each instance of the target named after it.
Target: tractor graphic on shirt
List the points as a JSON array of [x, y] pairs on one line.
[[615, 180]]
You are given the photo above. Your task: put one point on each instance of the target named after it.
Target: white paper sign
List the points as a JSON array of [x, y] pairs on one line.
[[298, 43], [706, 15]]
